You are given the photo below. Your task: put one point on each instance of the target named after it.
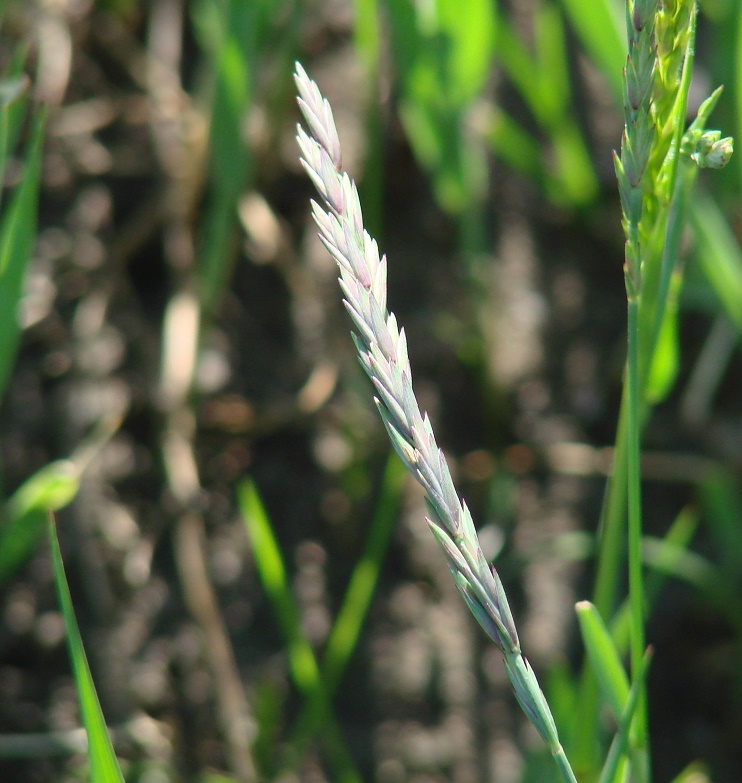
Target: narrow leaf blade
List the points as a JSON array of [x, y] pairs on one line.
[[604, 657], [104, 767]]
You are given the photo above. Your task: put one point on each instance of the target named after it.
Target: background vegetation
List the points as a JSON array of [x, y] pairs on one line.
[[256, 590]]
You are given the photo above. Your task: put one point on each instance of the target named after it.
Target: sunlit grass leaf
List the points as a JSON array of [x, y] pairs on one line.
[[551, 55], [269, 705], [367, 37], [14, 86], [604, 657], [576, 182], [272, 572], [234, 37], [693, 773], [25, 513], [468, 29], [454, 38], [561, 693], [542, 79], [104, 767], [52, 487], [443, 53]]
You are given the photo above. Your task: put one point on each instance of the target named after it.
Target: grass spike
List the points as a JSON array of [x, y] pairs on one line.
[[479, 584]]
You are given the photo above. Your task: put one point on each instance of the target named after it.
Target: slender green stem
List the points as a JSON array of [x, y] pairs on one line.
[[620, 741], [636, 582], [536, 707], [563, 765], [611, 527], [609, 563]]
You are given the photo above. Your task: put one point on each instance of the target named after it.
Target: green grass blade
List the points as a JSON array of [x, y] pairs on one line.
[[12, 89], [469, 27], [575, 176], [666, 360], [669, 556], [104, 767], [719, 254], [230, 164], [345, 633], [637, 645], [17, 235], [551, 56], [610, 771], [604, 657], [233, 32], [543, 82], [272, 572], [599, 24], [721, 501], [513, 144], [443, 53], [13, 105], [302, 661], [520, 67], [695, 772], [671, 560], [347, 628]]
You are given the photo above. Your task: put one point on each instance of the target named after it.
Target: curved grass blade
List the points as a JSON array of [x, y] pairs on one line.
[[305, 670], [346, 631], [104, 767], [719, 254], [610, 771], [542, 79], [604, 656], [347, 628], [51, 488], [695, 772]]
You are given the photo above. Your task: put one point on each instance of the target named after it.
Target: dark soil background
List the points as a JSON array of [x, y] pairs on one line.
[[525, 406]]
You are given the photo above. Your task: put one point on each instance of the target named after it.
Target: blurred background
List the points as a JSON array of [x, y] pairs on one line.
[[258, 593]]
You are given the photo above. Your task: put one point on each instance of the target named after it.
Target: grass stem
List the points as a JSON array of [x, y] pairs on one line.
[[636, 580]]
